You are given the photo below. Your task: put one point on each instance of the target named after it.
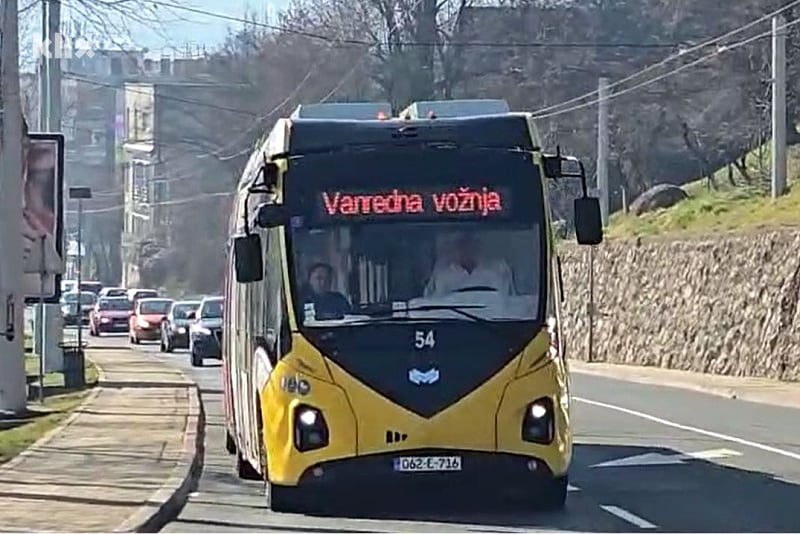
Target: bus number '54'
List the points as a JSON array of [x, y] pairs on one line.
[[424, 339]]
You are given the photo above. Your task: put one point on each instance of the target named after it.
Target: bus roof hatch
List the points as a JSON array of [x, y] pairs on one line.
[[455, 108], [343, 111]]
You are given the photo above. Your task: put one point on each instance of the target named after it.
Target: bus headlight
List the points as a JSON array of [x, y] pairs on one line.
[[538, 424], [310, 428]]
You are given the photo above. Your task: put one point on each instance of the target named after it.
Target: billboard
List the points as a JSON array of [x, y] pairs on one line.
[[43, 216]]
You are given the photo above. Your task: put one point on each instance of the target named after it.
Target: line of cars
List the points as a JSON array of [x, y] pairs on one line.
[[193, 324]]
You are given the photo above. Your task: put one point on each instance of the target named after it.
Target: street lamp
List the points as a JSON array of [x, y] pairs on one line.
[[80, 194]]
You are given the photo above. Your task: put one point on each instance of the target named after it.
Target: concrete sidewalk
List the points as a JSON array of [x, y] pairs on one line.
[[124, 461], [752, 389]]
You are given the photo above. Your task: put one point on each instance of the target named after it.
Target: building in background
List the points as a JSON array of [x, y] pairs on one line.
[[91, 94], [166, 119]]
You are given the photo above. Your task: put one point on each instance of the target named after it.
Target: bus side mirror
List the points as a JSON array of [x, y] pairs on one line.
[[552, 166], [588, 221], [271, 172], [271, 215], [247, 259]]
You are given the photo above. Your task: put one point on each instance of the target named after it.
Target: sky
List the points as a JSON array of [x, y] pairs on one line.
[[196, 31]]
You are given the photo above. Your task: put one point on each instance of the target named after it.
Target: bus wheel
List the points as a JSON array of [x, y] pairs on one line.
[[245, 470], [288, 499], [230, 443], [554, 494]]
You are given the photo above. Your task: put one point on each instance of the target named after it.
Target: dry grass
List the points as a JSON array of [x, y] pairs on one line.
[[745, 207], [20, 432]]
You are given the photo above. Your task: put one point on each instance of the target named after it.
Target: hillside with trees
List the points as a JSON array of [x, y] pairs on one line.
[[535, 54]]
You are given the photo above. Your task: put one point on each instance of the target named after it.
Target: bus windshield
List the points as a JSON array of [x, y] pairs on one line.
[[422, 252]]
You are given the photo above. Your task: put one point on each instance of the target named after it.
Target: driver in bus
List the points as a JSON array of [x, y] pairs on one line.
[[465, 268], [327, 304]]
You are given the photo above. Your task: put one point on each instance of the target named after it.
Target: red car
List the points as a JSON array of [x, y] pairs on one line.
[[145, 322], [110, 314]]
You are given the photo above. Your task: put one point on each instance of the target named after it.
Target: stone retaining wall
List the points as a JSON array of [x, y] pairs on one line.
[[725, 304]]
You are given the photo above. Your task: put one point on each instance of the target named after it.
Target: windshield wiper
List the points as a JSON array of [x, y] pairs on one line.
[[387, 315], [454, 308]]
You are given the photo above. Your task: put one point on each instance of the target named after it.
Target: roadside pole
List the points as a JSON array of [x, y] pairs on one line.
[[52, 321], [778, 106], [42, 285], [80, 272], [12, 356], [80, 194], [39, 329], [602, 148]]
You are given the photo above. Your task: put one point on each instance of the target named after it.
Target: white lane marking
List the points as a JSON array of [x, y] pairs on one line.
[[570, 487], [627, 516], [701, 431], [656, 458]]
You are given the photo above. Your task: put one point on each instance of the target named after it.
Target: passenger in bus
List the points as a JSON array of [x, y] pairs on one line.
[[465, 267], [327, 304]]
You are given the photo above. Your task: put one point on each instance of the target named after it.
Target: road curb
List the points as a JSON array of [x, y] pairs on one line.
[[170, 499], [743, 392], [50, 436]]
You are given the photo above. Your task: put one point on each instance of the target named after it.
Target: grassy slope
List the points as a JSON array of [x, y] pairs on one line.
[[731, 208], [17, 436]]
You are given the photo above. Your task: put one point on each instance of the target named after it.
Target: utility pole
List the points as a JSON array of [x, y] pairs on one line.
[[778, 106], [80, 194], [42, 126], [602, 148], [54, 66], [12, 357], [44, 85], [51, 316]]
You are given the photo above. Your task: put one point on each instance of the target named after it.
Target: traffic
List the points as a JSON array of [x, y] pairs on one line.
[[146, 316]]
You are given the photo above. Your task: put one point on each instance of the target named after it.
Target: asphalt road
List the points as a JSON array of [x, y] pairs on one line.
[[689, 463]]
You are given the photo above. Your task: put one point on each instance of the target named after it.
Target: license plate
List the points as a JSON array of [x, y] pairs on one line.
[[416, 464]]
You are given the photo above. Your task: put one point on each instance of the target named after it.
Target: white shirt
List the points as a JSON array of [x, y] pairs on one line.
[[448, 278]]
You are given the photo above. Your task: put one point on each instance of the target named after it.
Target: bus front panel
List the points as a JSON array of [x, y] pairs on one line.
[[424, 291]]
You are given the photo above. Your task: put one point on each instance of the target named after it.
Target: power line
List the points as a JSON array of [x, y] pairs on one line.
[[669, 73], [705, 44], [344, 79], [90, 81], [361, 42], [159, 204]]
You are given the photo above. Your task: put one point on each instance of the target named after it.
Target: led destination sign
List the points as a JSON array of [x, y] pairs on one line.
[[473, 202]]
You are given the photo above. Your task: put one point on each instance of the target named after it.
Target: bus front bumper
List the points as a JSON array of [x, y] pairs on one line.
[[488, 469]]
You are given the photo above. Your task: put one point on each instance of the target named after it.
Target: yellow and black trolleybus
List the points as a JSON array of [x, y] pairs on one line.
[[392, 306]]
